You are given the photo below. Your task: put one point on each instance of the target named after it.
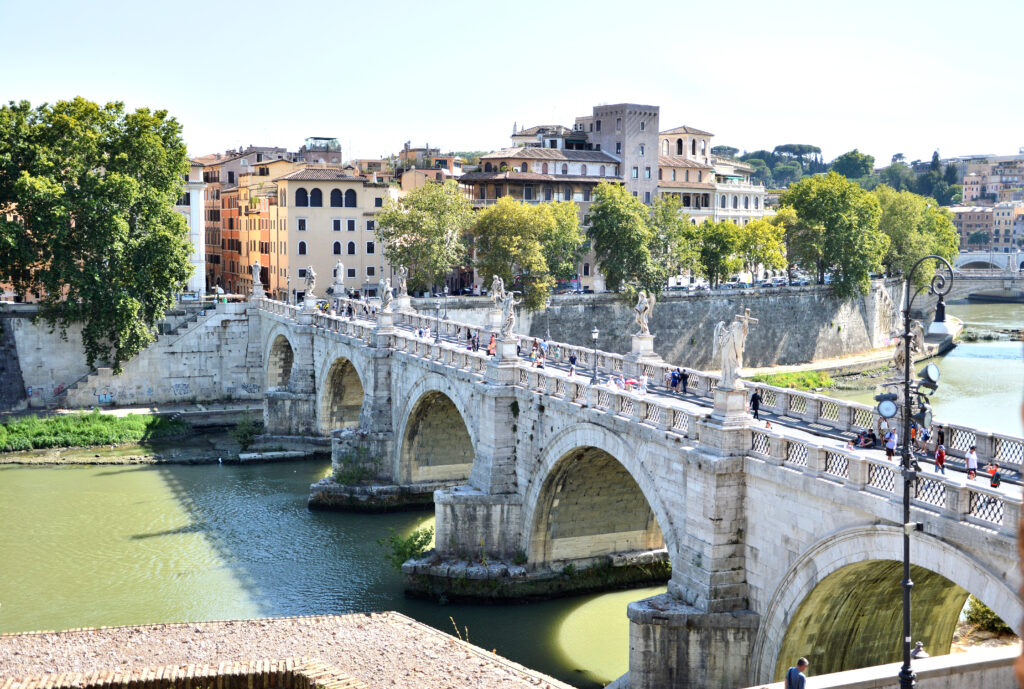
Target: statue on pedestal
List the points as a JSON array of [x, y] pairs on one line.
[[508, 314], [257, 286], [643, 310], [384, 287], [497, 292], [729, 341], [310, 281], [339, 279], [401, 278]]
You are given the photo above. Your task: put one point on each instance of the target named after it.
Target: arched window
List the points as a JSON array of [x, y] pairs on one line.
[[755, 203], [664, 147], [693, 146], [301, 197], [703, 147], [302, 248], [746, 203], [350, 198], [586, 270], [724, 203], [679, 147], [351, 248], [544, 168], [336, 198], [659, 173], [336, 249], [735, 201], [583, 170], [526, 168], [488, 167], [600, 170], [565, 169], [316, 198], [567, 194]]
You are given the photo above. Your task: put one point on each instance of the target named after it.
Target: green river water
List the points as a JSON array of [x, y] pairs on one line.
[[109, 545]]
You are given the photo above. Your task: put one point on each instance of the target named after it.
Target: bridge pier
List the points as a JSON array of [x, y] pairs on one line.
[[291, 409]]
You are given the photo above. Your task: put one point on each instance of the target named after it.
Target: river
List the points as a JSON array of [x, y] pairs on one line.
[[90, 545]]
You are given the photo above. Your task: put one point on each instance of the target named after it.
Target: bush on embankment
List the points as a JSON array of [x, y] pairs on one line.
[[84, 430], [798, 380]]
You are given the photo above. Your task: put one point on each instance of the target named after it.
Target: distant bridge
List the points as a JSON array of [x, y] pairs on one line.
[[781, 541]]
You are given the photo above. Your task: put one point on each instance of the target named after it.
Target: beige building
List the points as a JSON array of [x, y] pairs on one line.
[[330, 215], [969, 220]]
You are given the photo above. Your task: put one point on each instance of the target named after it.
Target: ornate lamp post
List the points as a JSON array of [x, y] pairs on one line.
[[437, 324], [593, 335], [940, 285], [446, 302]]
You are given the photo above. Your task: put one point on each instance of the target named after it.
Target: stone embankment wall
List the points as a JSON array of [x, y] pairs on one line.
[[795, 324], [210, 359]]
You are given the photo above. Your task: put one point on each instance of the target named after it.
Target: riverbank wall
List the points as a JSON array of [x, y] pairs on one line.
[[795, 324]]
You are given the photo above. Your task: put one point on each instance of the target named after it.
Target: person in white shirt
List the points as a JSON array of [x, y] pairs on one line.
[[972, 462]]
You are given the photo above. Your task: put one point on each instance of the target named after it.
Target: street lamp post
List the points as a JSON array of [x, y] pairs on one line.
[[593, 335], [939, 285], [446, 302], [437, 324]]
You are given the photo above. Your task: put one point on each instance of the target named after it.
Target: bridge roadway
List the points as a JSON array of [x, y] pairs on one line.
[[781, 541]]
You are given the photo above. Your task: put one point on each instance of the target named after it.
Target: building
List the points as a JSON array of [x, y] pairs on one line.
[[692, 183], [414, 178], [629, 132], [993, 178], [1006, 220], [192, 205], [329, 215], [551, 136], [319, 150], [970, 220]]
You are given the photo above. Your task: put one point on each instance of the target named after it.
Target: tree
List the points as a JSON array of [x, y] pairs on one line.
[[786, 173], [424, 230], [718, 244], [854, 164], [898, 158], [561, 237], [92, 230], [621, 237], [507, 238], [761, 245], [798, 151], [916, 227], [899, 176], [762, 173], [725, 151], [978, 237], [951, 175], [673, 238], [836, 229]]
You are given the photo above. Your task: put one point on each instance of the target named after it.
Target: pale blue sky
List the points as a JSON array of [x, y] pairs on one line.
[[880, 76]]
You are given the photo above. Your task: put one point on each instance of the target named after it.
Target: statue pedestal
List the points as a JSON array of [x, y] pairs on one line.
[[403, 303], [501, 368], [494, 321], [506, 350], [257, 292], [725, 432], [385, 320], [730, 405], [309, 304], [642, 352]]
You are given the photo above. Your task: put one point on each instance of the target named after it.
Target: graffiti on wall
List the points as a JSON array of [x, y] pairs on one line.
[[181, 389], [251, 388]]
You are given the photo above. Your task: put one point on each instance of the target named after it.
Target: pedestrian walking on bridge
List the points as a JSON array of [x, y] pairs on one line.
[[795, 678]]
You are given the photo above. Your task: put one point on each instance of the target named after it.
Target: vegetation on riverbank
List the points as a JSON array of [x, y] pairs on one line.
[[84, 430], [798, 380]]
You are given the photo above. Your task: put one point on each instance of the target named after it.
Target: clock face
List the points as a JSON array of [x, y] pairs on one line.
[[887, 409]]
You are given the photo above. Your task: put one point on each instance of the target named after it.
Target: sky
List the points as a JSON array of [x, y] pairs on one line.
[[884, 77]]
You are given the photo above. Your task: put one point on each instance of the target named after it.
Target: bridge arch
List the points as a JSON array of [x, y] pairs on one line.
[[980, 264], [436, 438], [279, 357], [341, 395], [833, 600], [591, 496]]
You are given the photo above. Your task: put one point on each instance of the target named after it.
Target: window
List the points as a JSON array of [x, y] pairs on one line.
[[673, 174], [336, 224], [600, 171], [703, 146], [647, 173], [618, 124], [567, 194], [301, 224], [350, 225], [528, 193], [586, 270], [369, 247], [350, 198], [565, 169], [659, 173], [351, 249], [488, 167], [735, 201], [231, 177], [746, 203], [583, 170], [336, 198], [369, 227], [302, 272], [336, 248], [302, 248], [693, 146], [525, 167], [586, 194], [636, 173], [642, 149], [700, 175], [618, 147], [301, 197], [647, 197], [679, 147], [664, 147], [599, 125], [350, 272], [371, 271], [687, 174], [643, 125], [723, 204], [544, 168], [547, 193]]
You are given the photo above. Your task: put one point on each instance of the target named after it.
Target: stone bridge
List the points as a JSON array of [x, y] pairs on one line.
[[781, 541]]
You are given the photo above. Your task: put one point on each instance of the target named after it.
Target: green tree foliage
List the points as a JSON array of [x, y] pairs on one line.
[[836, 229], [424, 230], [798, 151], [673, 238], [916, 227], [514, 240], [726, 151], [854, 164], [399, 548], [786, 173], [622, 238], [95, 235], [983, 617], [978, 237], [761, 246], [718, 246]]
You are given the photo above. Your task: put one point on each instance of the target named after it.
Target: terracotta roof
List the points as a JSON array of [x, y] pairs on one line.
[[538, 153], [320, 174], [681, 161], [687, 130], [512, 176]]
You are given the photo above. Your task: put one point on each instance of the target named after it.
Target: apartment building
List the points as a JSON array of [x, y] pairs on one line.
[[629, 132], [1006, 223], [692, 183], [970, 220], [993, 179], [329, 215]]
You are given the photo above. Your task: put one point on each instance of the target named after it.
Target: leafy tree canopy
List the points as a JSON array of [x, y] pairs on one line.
[[916, 227], [93, 231], [424, 230], [727, 151], [718, 246], [799, 151], [978, 237], [854, 164], [761, 246], [622, 239]]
